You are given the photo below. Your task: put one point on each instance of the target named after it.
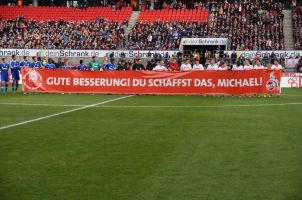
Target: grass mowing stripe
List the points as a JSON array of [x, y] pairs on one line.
[[62, 113], [165, 106], [40, 104]]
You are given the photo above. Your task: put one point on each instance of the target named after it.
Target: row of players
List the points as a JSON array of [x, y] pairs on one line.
[[15, 67]]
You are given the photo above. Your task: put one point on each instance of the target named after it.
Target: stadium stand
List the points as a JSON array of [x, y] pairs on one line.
[[167, 15], [98, 34], [45, 13], [249, 25], [297, 26]]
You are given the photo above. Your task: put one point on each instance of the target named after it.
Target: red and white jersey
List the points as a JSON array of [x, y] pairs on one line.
[[248, 67], [212, 67], [277, 67], [259, 67], [222, 68], [185, 67], [235, 67], [198, 67], [160, 68]]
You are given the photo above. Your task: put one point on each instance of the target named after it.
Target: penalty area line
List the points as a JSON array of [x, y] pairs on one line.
[[64, 112]]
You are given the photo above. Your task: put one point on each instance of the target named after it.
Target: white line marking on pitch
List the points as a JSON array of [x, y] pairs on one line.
[[209, 106], [62, 113]]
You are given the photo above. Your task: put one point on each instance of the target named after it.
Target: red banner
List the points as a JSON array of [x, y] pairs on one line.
[[150, 82]]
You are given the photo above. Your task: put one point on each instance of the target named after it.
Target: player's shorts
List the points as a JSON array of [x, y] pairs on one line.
[[15, 76], [4, 78]]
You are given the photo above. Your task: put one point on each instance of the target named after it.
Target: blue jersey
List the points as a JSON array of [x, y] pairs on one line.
[[82, 67], [109, 67], [25, 64], [50, 66], [15, 67], [66, 67], [36, 64], [4, 67]]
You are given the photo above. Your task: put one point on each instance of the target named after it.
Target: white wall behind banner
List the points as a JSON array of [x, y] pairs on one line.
[[78, 53]]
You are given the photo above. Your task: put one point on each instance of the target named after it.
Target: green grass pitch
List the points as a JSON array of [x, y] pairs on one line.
[[151, 147]]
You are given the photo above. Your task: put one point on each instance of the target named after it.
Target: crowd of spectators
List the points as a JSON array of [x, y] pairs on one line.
[[297, 26], [174, 4], [248, 24], [163, 35], [98, 34]]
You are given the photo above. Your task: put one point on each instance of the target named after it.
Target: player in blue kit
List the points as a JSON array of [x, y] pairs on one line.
[[4, 68], [82, 66], [110, 66], [25, 62], [36, 64], [15, 69], [66, 65], [50, 64]]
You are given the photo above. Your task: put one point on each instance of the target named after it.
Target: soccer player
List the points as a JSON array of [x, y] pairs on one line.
[[247, 65], [259, 65], [50, 64], [110, 66], [223, 66], [36, 64], [15, 69], [160, 67], [94, 65], [173, 66], [186, 66], [25, 62], [66, 65], [138, 65], [4, 68], [212, 66], [276, 65], [82, 66], [197, 66], [237, 67]]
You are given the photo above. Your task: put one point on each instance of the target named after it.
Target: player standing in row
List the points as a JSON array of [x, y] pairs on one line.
[[36, 64], [15, 69], [4, 68], [25, 62]]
